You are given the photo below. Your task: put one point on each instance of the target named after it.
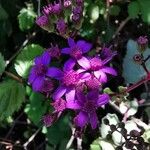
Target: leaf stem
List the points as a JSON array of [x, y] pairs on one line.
[[13, 76]]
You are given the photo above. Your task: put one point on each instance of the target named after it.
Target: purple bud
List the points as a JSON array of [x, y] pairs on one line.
[[49, 119], [59, 105], [61, 26], [47, 10], [142, 43], [67, 3], [54, 51], [57, 8], [42, 21]]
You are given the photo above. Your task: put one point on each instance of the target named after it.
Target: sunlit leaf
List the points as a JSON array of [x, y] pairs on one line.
[[26, 18], [25, 59]]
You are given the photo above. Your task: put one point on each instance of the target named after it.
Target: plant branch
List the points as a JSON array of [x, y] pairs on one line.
[[13, 76], [122, 24]]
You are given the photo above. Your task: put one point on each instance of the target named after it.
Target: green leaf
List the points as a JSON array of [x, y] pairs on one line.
[[12, 94], [114, 10], [2, 64], [133, 9], [59, 132], [145, 11], [26, 18], [25, 59], [36, 108], [3, 13]]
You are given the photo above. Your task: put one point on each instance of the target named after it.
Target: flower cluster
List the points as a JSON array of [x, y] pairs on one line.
[[56, 16], [75, 84]]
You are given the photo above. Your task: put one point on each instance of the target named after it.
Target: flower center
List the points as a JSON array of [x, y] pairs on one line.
[[76, 52], [89, 107], [96, 63], [47, 86], [70, 78], [93, 83], [41, 69]]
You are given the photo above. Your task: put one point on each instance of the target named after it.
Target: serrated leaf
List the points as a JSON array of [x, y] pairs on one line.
[[133, 9], [114, 10], [25, 59], [12, 94], [26, 18], [59, 132], [36, 108], [2, 64]]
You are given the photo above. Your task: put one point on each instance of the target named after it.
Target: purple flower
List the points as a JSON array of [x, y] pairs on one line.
[[42, 21], [87, 105], [61, 26], [68, 78], [54, 51], [96, 66], [76, 49], [39, 73]]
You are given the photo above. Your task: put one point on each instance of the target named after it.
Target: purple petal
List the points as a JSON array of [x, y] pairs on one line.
[[71, 42], [109, 70], [69, 64], [103, 99], [32, 77], [80, 97], [93, 95], [84, 62], [55, 73], [43, 59], [72, 104], [38, 83], [85, 76], [81, 70], [101, 76], [84, 46], [81, 119], [70, 95], [93, 120], [59, 93], [66, 50]]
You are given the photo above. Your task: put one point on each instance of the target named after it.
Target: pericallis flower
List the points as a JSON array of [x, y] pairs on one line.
[[97, 68], [39, 72], [87, 106], [68, 78], [76, 50]]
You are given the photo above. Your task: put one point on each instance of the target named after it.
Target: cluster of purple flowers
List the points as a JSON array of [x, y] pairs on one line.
[[56, 16], [75, 84]]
